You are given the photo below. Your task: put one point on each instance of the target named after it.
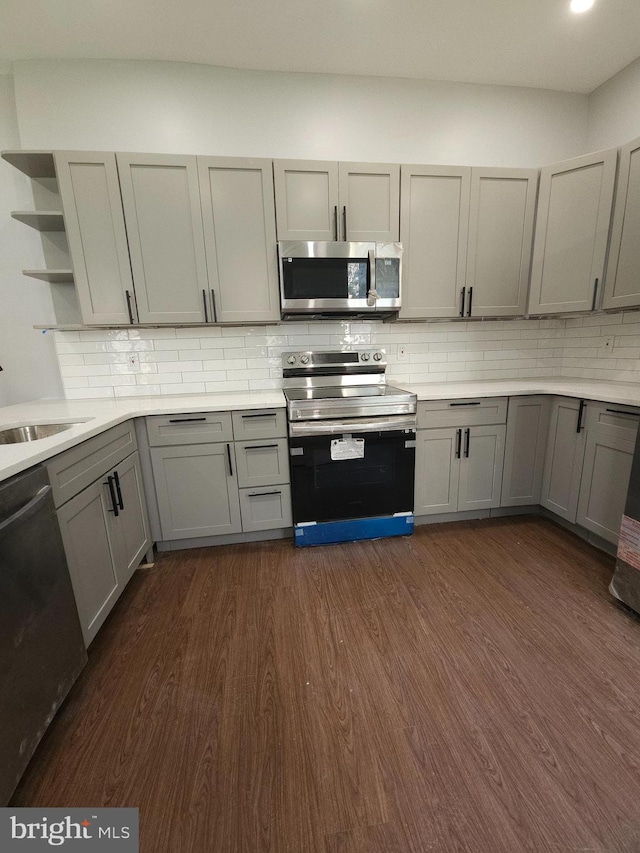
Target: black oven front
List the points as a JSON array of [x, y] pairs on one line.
[[338, 477]]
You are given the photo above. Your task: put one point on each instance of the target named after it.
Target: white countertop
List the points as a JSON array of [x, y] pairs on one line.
[[622, 393], [98, 415]]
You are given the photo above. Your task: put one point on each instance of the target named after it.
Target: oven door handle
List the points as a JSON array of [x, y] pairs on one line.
[[352, 425]]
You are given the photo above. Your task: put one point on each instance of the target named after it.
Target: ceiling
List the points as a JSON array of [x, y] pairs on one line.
[[537, 43]]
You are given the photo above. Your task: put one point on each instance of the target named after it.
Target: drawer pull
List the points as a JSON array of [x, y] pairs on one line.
[[260, 415], [260, 494], [261, 446], [465, 404], [185, 420], [620, 412]]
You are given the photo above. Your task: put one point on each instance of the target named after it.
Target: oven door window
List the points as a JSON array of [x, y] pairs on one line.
[[325, 278], [379, 483]]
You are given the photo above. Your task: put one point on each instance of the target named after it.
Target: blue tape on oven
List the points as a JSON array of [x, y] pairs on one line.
[[352, 530]]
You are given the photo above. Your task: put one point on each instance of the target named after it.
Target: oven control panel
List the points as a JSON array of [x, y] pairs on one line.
[[336, 359]]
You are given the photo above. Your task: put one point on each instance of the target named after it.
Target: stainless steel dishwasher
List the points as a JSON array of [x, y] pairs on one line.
[[41, 647]]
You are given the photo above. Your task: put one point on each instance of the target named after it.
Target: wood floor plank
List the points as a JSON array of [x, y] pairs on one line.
[[471, 688]]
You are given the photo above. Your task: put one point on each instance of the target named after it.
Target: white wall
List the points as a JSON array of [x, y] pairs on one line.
[[614, 110], [28, 358], [179, 107]]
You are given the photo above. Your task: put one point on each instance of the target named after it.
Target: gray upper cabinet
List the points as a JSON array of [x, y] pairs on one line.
[[434, 220], [318, 200], [90, 193], [369, 202], [163, 215], [572, 229], [501, 219], [306, 199], [622, 286], [240, 238]]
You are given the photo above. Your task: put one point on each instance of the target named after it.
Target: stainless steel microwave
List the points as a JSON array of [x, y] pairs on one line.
[[340, 279]]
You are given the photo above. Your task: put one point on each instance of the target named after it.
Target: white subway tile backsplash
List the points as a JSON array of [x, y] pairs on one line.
[[201, 359]]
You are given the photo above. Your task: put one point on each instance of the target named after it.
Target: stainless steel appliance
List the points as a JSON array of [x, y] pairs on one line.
[[41, 647], [351, 445], [340, 279], [625, 584]]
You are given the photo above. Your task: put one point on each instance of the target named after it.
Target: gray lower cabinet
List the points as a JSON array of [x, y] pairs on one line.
[[458, 469], [197, 490], [266, 508], [564, 457], [526, 442], [103, 550], [610, 443]]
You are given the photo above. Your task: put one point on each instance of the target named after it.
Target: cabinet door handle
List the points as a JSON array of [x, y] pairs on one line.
[[185, 420], [344, 222], [462, 300], [621, 412], [470, 301], [595, 295], [580, 413], [335, 223], [129, 309], [467, 439], [214, 319], [475, 403], [114, 503], [260, 446], [116, 480], [458, 443], [204, 302], [259, 494], [260, 415], [229, 459]]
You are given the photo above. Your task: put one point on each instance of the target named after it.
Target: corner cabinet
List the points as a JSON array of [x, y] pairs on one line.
[[101, 509], [240, 239], [527, 429], [161, 200], [572, 229], [318, 200], [622, 286], [564, 458]]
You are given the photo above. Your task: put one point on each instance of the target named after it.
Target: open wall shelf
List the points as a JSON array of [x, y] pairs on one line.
[[41, 220], [52, 276], [35, 164]]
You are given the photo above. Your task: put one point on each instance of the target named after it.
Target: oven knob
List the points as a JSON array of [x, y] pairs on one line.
[[377, 356], [291, 359], [304, 359], [364, 356]]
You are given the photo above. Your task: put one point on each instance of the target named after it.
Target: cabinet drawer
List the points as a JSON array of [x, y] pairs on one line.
[[463, 412], [195, 428], [259, 423], [614, 420], [262, 463], [266, 508], [75, 469]]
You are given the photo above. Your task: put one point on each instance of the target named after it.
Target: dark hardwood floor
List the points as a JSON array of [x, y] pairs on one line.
[[472, 688]]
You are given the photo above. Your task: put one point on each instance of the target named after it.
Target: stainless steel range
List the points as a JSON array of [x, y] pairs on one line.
[[351, 445]]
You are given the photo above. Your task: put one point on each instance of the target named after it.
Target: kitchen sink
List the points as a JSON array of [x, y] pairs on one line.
[[33, 432]]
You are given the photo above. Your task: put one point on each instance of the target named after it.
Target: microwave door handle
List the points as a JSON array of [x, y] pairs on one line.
[[372, 295]]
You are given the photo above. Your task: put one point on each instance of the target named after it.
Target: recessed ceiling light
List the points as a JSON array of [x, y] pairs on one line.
[[581, 5]]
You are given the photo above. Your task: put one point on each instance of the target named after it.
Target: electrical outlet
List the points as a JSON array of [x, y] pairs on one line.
[[608, 344], [403, 355], [133, 360]]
